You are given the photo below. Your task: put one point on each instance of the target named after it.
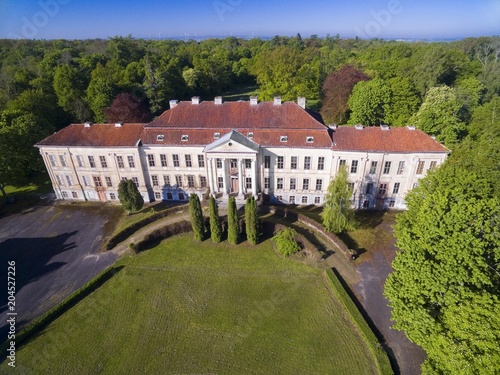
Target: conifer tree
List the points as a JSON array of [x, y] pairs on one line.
[[129, 196], [232, 222], [215, 228], [251, 220], [196, 217]]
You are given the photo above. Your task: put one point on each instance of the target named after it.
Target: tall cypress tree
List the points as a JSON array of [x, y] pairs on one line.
[[232, 222], [215, 228], [196, 217], [251, 220]]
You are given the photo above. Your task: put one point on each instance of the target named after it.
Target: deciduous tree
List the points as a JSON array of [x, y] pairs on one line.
[[338, 214], [368, 102], [127, 108]]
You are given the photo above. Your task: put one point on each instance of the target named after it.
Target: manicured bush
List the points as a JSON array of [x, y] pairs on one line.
[[233, 230], [129, 196], [215, 225], [285, 241], [251, 221], [196, 217]]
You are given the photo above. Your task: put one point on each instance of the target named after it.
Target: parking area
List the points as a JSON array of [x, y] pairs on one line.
[[56, 250]]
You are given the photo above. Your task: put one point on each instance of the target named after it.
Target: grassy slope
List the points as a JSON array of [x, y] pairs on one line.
[[185, 308]]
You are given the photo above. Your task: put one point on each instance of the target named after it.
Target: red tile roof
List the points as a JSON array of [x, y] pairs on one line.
[[237, 115], [97, 135], [373, 138]]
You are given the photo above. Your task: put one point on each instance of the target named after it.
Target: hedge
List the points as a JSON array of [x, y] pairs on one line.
[[381, 358], [128, 231]]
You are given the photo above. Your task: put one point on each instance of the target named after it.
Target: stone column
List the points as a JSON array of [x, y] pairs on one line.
[[224, 176], [254, 179], [211, 176], [240, 179]]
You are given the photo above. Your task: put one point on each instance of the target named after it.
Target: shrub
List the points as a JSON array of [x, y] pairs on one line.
[[251, 220], [215, 226], [232, 222], [129, 196], [196, 217], [285, 241]]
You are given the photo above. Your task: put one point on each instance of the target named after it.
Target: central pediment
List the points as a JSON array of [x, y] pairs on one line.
[[232, 142]]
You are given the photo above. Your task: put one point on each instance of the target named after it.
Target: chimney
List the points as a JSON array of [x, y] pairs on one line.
[[384, 127], [195, 100], [218, 100], [173, 103], [301, 101], [358, 127], [87, 124], [277, 100], [411, 127], [253, 100], [118, 124]]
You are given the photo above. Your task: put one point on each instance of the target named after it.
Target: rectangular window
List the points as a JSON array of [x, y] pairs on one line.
[[86, 181], [201, 161], [291, 199], [267, 162], [293, 162], [321, 163], [369, 188], [60, 181], [279, 198], [154, 180], [319, 184], [220, 182], [248, 163], [157, 195], [280, 162], [112, 196], [293, 183], [307, 162], [342, 163], [219, 163], [70, 180], [109, 183], [203, 182], [387, 167], [62, 158], [401, 167], [170, 196], [266, 182], [151, 160], [392, 203], [304, 199], [136, 181], [305, 184], [79, 161], [395, 190], [191, 181], [178, 180], [119, 160], [432, 165], [104, 163], [279, 183], [354, 166], [350, 187], [248, 182], [189, 163], [166, 180], [131, 163], [52, 160], [97, 181], [373, 167], [74, 194], [175, 158], [382, 189], [163, 160], [317, 200], [420, 167], [181, 196], [65, 194]]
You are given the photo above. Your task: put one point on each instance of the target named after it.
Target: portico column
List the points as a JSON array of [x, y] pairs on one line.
[[254, 179], [211, 175], [240, 179], [224, 176]]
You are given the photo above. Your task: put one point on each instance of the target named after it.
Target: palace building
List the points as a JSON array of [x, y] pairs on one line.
[[280, 151]]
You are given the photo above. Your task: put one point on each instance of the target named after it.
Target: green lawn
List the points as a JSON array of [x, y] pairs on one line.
[[186, 308]]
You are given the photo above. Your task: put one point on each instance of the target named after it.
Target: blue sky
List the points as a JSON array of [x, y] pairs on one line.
[[80, 19]]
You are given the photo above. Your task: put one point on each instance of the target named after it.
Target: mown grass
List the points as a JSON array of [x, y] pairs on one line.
[[25, 196], [192, 308]]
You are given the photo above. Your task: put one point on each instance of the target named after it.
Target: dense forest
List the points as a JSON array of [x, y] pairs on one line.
[[446, 283]]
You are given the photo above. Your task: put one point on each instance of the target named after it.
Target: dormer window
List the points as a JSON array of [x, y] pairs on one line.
[[250, 135], [216, 135], [310, 139], [160, 137], [185, 138], [283, 138]]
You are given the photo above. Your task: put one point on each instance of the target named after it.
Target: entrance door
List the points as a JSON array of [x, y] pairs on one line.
[[234, 185], [102, 195]]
